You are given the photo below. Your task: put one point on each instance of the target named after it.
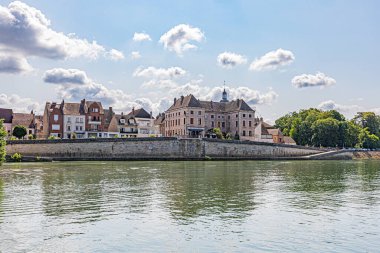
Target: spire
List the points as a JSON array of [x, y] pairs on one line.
[[224, 94]]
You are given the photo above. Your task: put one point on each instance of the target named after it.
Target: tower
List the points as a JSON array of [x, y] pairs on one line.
[[224, 94]]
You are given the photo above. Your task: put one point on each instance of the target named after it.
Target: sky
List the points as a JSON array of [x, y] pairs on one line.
[[278, 55]]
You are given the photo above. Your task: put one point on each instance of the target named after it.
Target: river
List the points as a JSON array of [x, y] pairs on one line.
[[233, 206]]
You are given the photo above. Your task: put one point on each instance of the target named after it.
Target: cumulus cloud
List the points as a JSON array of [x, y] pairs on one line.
[[13, 64], [135, 55], [273, 60], [141, 37], [65, 76], [179, 37], [230, 60], [26, 31], [19, 104], [331, 105], [317, 80], [159, 73], [115, 55]]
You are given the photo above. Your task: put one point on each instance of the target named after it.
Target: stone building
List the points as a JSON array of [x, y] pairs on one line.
[[6, 115], [190, 117]]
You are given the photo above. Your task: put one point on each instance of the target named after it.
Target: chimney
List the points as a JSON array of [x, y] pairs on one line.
[[261, 119], [175, 100], [110, 109], [151, 114], [133, 111], [83, 101], [182, 97]]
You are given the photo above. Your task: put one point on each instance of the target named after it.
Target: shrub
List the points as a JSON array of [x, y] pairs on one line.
[[31, 137], [19, 131], [16, 157], [3, 134], [52, 137]]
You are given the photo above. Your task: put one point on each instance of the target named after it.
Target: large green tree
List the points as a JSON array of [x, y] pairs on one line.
[[325, 132], [368, 140], [19, 131], [3, 134], [368, 120]]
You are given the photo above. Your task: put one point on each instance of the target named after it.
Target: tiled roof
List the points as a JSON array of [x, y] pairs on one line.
[[6, 114], [274, 131], [288, 140], [89, 103], [129, 119], [72, 109], [140, 113], [159, 119], [23, 119]]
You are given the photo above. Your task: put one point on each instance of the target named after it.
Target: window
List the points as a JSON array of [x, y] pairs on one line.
[[191, 112], [244, 133], [212, 124], [95, 109], [223, 124], [218, 116], [122, 121], [212, 116], [199, 121], [199, 112], [229, 117], [55, 127], [184, 121], [76, 128], [243, 115], [250, 133], [68, 119], [191, 121], [250, 123], [218, 124], [250, 115], [243, 122], [184, 112], [68, 128], [237, 123], [80, 128], [237, 115], [30, 132], [55, 117]]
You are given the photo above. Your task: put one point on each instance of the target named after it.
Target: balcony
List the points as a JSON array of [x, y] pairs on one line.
[[127, 131], [95, 122]]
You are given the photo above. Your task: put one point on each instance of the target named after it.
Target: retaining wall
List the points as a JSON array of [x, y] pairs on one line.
[[155, 149]]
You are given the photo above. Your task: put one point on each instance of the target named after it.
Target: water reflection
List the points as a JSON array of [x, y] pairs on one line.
[[208, 189]]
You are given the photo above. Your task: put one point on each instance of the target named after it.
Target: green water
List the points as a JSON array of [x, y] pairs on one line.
[[244, 206]]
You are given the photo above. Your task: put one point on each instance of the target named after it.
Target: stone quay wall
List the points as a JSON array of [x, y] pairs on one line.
[[164, 148]]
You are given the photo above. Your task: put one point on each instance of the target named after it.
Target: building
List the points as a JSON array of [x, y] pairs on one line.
[[74, 121], [26, 120], [53, 120], [144, 121], [190, 117], [159, 124], [6, 115]]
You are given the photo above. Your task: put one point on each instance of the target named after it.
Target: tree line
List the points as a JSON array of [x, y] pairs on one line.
[[313, 127]]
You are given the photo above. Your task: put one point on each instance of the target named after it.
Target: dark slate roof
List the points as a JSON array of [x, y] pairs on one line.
[[72, 109], [23, 119], [129, 119], [159, 119], [108, 114], [140, 113], [6, 114], [187, 101], [191, 101]]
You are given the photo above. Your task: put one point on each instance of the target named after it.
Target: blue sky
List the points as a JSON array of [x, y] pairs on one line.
[[306, 53]]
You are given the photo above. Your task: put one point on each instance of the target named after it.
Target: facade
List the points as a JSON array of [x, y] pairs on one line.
[[144, 121], [6, 115], [94, 119], [159, 124], [74, 121], [53, 120], [190, 117]]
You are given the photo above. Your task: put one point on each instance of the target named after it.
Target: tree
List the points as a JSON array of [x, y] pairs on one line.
[[368, 140], [368, 120], [3, 134], [348, 134], [19, 131], [325, 132], [218, 133]]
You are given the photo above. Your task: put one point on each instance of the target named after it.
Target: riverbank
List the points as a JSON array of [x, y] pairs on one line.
[[171, 149]]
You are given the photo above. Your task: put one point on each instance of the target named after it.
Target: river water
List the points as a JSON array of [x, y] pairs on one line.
[[234, 206]]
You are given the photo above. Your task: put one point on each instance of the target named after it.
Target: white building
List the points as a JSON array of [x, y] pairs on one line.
[[145, 123], [74, 121]]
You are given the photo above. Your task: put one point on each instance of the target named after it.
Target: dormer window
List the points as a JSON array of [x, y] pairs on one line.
[[122, 121]]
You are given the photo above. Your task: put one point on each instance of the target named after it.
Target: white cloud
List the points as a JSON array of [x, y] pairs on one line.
[[317, 80], [141, 37], [331, 105], [135, 55], [115, 55], [179, 37], [159, 73], [273, 60], [26, 31], [19, 104], [230, 60], [65, 76], [13, 63]]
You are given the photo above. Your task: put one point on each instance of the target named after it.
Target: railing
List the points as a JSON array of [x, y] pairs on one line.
[[128, 132]]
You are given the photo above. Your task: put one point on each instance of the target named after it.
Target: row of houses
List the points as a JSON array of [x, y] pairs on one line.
[[187, 117]]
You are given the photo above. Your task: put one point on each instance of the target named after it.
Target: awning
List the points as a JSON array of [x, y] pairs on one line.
[[195, 129]]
